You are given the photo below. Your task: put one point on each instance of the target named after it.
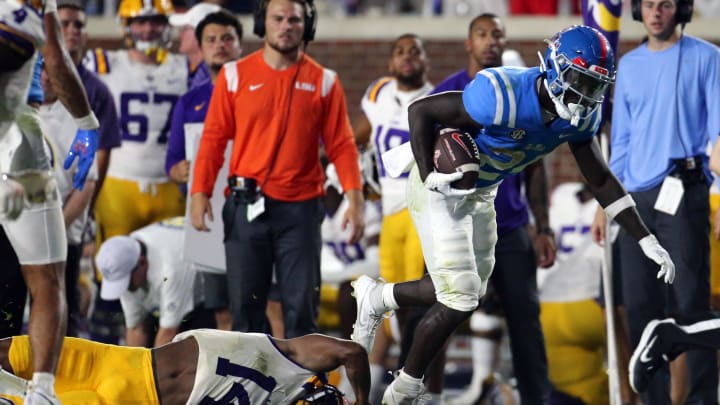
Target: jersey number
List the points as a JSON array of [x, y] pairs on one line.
[[237, 394], [134, 127], [386, 140], [347, 252]]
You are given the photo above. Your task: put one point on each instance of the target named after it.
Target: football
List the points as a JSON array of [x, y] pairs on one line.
[[456, 151]]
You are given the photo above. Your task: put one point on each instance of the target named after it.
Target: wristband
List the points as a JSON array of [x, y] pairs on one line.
[[546, 231], [613, 209], [50, 6], [87, 122]]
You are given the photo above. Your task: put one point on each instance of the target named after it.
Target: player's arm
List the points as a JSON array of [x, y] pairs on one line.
[[362, 130], [606, 187], [61, 70], [537, 196], [619, 205], [322, 353], [77, 202], [445, 109]]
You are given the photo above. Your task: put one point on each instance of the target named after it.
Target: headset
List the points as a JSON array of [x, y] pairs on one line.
[[683, 13], [310, 19]]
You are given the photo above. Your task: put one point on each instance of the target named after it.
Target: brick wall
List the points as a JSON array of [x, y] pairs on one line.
[[358, 63]]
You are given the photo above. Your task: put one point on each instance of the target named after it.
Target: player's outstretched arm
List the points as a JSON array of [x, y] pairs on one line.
[[322, 353], [445, 109], [618, 204], [61, 70]]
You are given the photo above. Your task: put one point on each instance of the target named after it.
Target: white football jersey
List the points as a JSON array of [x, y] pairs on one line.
[[335, 238], [23, 18], [169, 287], [242, 368], [386, 108], [59, 129], [144, 96], [575, 275]]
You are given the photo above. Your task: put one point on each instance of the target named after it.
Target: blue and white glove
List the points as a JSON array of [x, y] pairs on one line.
[[83, 148], [652, 249], [440, 182]]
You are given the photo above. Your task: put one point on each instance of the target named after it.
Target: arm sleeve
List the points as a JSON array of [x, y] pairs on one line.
[[133, 311], [620, 131], [219, 128], [338, 139], [176, 142], [711, 86]]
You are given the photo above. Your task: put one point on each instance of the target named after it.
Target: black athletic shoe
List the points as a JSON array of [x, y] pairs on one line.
[[651, 352]]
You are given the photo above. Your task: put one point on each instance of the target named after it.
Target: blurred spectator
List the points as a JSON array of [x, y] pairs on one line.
[[273, 214], [219, 34], [60, 128], [146, 271], [189, 46]]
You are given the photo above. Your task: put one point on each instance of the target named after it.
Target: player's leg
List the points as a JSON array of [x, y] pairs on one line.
[[297, 246], [458, 238], [686, 236]]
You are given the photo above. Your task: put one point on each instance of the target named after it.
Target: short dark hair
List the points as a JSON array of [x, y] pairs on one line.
[[403, 36], [481, 16], [222, 17]]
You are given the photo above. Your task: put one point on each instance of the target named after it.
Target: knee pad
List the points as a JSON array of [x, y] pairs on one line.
[[460, 291]]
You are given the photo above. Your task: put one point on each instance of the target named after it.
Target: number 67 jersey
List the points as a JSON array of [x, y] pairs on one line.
[[144, 95]]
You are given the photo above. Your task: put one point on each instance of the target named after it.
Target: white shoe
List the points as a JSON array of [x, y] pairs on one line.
[[393, 397], [36, 396], [368, 320]]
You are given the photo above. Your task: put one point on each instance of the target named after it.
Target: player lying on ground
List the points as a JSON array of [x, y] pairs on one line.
[[203, 366]]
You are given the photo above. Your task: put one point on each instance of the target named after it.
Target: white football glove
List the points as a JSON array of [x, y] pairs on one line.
[[652, 249], [12, 198], [440, 182]]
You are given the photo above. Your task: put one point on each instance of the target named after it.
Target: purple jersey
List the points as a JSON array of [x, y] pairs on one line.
[[191, 107], [199, 75], [510, 204], [103, 105]]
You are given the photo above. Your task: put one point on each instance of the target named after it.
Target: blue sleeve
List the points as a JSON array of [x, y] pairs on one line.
[[479, 100], [176, 142], [36, 95], [620, 132], [711, 83]]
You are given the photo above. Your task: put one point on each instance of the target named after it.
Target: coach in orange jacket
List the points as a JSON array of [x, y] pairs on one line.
[[276, 105]]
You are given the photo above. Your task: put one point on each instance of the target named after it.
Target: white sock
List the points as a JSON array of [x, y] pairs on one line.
[[483, 355], [388, 298], [11, 384], [45, 382], [407, 384]]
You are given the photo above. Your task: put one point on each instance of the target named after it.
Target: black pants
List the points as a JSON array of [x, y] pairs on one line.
[[514, 281], [285, 239], [72, 290], [686, 237], [13, 292]]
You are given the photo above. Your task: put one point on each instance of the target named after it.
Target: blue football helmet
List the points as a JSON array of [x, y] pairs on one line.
[[579, 66]]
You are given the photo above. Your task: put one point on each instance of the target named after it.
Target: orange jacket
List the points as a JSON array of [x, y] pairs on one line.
[[249, 106]]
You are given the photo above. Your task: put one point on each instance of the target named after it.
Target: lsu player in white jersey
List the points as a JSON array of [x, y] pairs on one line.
[[29, 201], [383, 126], [201, 366], [571, 318], [146, 81]]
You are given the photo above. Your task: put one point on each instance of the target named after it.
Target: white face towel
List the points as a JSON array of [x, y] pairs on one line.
[[398, 160]]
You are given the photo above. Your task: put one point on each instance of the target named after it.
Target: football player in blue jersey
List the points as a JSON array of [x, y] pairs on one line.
[[516, 116]]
